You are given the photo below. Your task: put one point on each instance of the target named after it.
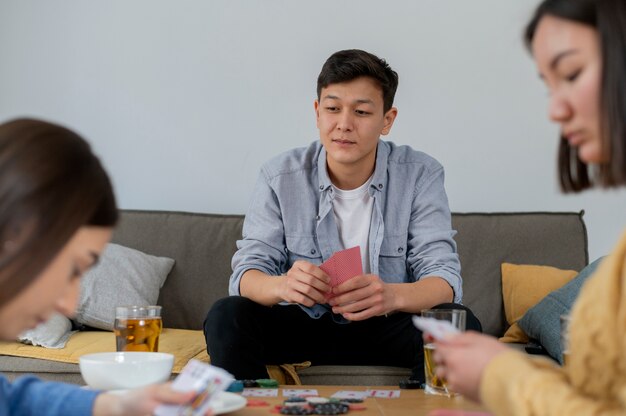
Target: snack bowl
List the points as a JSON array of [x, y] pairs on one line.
[[125, 370]]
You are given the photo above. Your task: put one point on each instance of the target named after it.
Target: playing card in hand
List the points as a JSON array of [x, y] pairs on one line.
[[342, 266], [436, 327]]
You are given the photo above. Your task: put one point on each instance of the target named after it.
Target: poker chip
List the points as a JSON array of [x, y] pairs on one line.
[[330, 409], [250, 383], [267, 383], [293, 404], [317, 400], [235, 387], [295, 410], [295, 399], [351, 400]]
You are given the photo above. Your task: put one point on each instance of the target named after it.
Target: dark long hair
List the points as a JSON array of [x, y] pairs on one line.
[[608, 17], [51, 184]]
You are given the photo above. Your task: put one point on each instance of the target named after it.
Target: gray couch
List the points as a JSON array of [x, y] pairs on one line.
[[203, 244]]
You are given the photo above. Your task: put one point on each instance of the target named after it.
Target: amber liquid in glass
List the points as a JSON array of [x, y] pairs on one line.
[[434, 384], [138, 334]]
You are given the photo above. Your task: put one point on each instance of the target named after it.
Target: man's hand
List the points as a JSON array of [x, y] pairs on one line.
[[305, 283], [363, 297], [140, 402]]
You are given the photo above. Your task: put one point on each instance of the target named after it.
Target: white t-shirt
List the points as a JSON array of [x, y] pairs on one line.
[[353, 215]]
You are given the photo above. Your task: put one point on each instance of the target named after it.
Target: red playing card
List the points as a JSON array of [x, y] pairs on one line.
[[343, 265]]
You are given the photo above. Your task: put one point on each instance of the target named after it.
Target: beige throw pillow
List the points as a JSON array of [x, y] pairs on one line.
[[123, 276]]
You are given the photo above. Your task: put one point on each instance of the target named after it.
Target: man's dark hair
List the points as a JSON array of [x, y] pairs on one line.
[[608, 17], [345, 66]]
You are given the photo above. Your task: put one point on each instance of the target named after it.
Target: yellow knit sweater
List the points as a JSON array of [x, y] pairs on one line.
[[593, 382]]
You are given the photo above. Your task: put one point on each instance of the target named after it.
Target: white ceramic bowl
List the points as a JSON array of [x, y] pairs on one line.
[[125, 370]]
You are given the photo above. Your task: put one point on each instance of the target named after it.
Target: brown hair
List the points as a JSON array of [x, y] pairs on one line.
[[608, 17], [51, 184]]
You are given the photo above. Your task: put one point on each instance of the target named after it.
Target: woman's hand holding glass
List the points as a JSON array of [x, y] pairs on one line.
[[461, 360]]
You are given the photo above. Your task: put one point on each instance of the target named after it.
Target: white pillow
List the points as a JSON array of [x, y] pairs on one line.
[[123, 276], [53, 333]]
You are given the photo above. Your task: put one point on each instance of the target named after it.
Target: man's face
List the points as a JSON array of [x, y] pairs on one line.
[[350, 119]]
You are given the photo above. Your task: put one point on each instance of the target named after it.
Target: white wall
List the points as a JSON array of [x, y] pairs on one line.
[[185, 99]]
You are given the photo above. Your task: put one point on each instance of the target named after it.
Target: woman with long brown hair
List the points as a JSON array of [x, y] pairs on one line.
[[57, 212]]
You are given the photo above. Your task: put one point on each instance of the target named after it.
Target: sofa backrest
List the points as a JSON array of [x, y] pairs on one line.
[[203, 244], [485, 241]]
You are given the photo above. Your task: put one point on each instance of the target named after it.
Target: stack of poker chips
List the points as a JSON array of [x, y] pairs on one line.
[[316, 406]]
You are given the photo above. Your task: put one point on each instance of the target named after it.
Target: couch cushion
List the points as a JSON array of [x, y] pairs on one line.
[[123, 276], [542, 322], [485, 241], [523, 286], [54, 333]]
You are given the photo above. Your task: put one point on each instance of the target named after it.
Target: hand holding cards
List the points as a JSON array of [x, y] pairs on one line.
[[342, 266], [202, 378]]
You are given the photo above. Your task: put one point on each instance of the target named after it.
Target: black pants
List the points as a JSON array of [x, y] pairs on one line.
[[243, 336]]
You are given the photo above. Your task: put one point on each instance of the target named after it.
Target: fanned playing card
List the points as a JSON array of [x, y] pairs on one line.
[[439, 329], [343, 265]]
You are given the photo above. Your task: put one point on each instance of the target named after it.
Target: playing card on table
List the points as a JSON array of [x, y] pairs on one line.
[[436, 327], [300, 392], [343, 265], [202, 378], [260, 392], [349, 394], [384, 394]]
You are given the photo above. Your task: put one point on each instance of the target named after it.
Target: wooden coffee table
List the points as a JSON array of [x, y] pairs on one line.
[[410, 402]]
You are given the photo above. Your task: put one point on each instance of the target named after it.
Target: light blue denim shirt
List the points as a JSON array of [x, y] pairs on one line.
[[290, 218]]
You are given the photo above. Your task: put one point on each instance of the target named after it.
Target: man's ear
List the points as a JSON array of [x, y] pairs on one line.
[[316, 105], [390, 117]]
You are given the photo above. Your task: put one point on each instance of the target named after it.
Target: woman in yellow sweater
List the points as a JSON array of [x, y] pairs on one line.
[[580, 50]]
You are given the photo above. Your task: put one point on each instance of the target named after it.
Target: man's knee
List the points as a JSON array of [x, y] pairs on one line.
[[226, 313]]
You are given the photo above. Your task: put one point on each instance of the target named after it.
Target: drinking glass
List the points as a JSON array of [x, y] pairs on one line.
[[435, 384], [137, 328]]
